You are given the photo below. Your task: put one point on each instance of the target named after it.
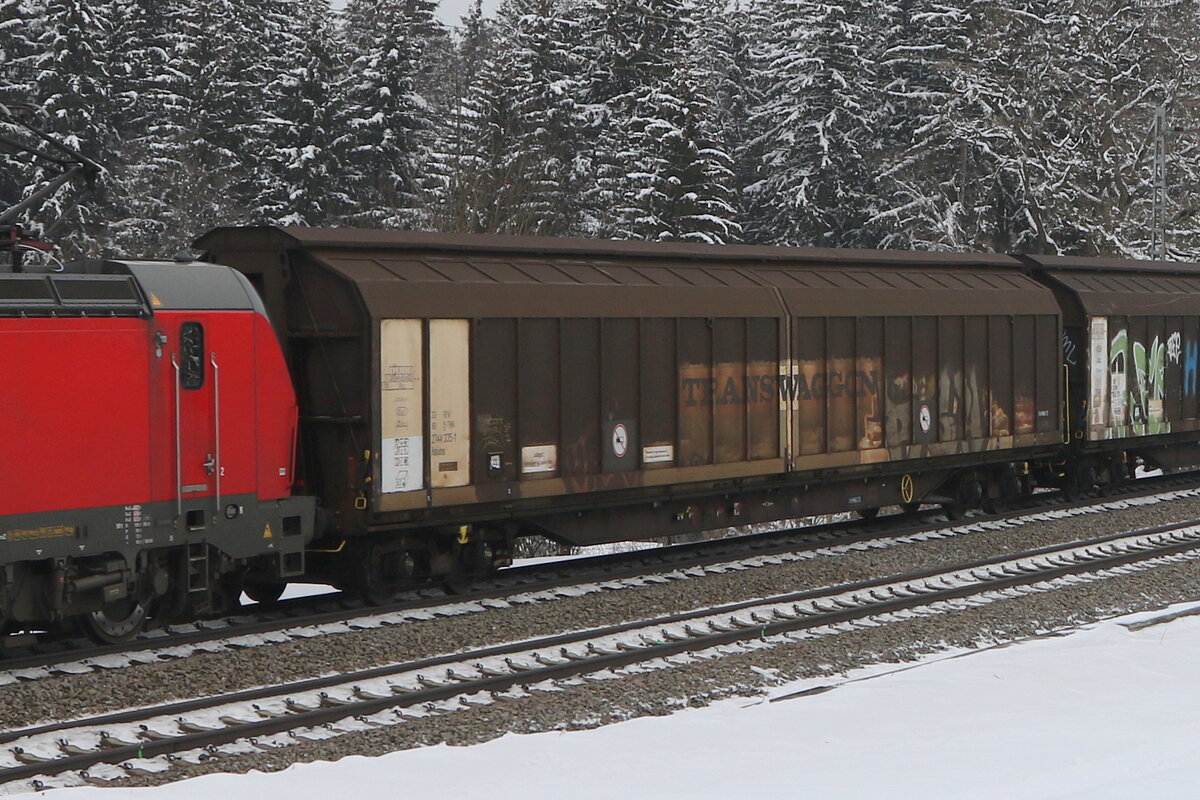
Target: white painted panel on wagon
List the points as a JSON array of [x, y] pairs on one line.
[[1098, 349], [449, 402], [401, 402], [1119, 369]]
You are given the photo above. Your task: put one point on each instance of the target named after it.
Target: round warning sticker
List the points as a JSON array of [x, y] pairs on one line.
[[620, 440], [926, 419]]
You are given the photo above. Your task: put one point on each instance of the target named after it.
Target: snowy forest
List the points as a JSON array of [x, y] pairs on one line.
[[973, 125]]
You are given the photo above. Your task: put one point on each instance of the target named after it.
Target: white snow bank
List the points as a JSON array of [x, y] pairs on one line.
[[1102, 713], [294, 590]]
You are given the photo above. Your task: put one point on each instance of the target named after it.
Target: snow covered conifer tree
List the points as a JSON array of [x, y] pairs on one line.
[[924, 202], [1028, 124], [300, 181], [384, 134], [682, 189], [727, 45], [74, 93], [453, 170], [630, 46], [660, 169], [257, 81], [816, 127], [1132, 57], [20, 24], [1052, 128], [19, 30], [206, 136], [1171, 76], [1017, 86], [523, 126], [149, 93]]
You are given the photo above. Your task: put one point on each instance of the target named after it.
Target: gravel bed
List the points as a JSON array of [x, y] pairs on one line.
[[70, 696], [592, 704]]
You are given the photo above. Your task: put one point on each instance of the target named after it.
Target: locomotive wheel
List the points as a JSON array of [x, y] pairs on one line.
[[116, 622], [263, 591]]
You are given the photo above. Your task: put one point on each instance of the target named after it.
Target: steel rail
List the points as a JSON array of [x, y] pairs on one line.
[[547, 577], [337, 710]]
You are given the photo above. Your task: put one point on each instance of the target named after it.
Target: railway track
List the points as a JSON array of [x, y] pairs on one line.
[[309, 617], [99, 748]]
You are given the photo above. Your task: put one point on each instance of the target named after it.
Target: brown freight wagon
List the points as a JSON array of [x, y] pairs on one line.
[[457, 391], [1132, 351]]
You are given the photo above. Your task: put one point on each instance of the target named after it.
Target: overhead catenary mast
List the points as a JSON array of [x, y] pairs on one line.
[[1158, 216]]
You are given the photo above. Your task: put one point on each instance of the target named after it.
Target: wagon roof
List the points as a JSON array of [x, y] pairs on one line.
[[403, 272], [1109, 287], [287, 237], [1097, 264]]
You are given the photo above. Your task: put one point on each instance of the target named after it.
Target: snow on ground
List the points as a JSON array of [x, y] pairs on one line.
[[589, 552], [294, 590], [1102, 713]]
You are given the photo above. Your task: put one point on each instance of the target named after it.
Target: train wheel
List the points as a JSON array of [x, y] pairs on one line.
[[1011, 486], [263, 591], [1080, 482], [1118, 472], [376, 589], [457, 584], [1072, 483], [472, 561], [1027, 487], [383, 573], [116, 622], [953, 511]]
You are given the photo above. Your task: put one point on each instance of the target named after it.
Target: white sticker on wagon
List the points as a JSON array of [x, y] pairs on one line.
[[402, 467], [658, 454], [539, 458]]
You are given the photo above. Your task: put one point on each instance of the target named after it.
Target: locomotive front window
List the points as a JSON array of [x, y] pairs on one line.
[[191, 355]]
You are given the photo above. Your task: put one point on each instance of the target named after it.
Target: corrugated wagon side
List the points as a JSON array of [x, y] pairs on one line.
[[458, 391], [1132, 347]]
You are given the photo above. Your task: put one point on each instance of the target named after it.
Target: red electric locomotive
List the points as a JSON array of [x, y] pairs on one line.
[[146, 449]]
